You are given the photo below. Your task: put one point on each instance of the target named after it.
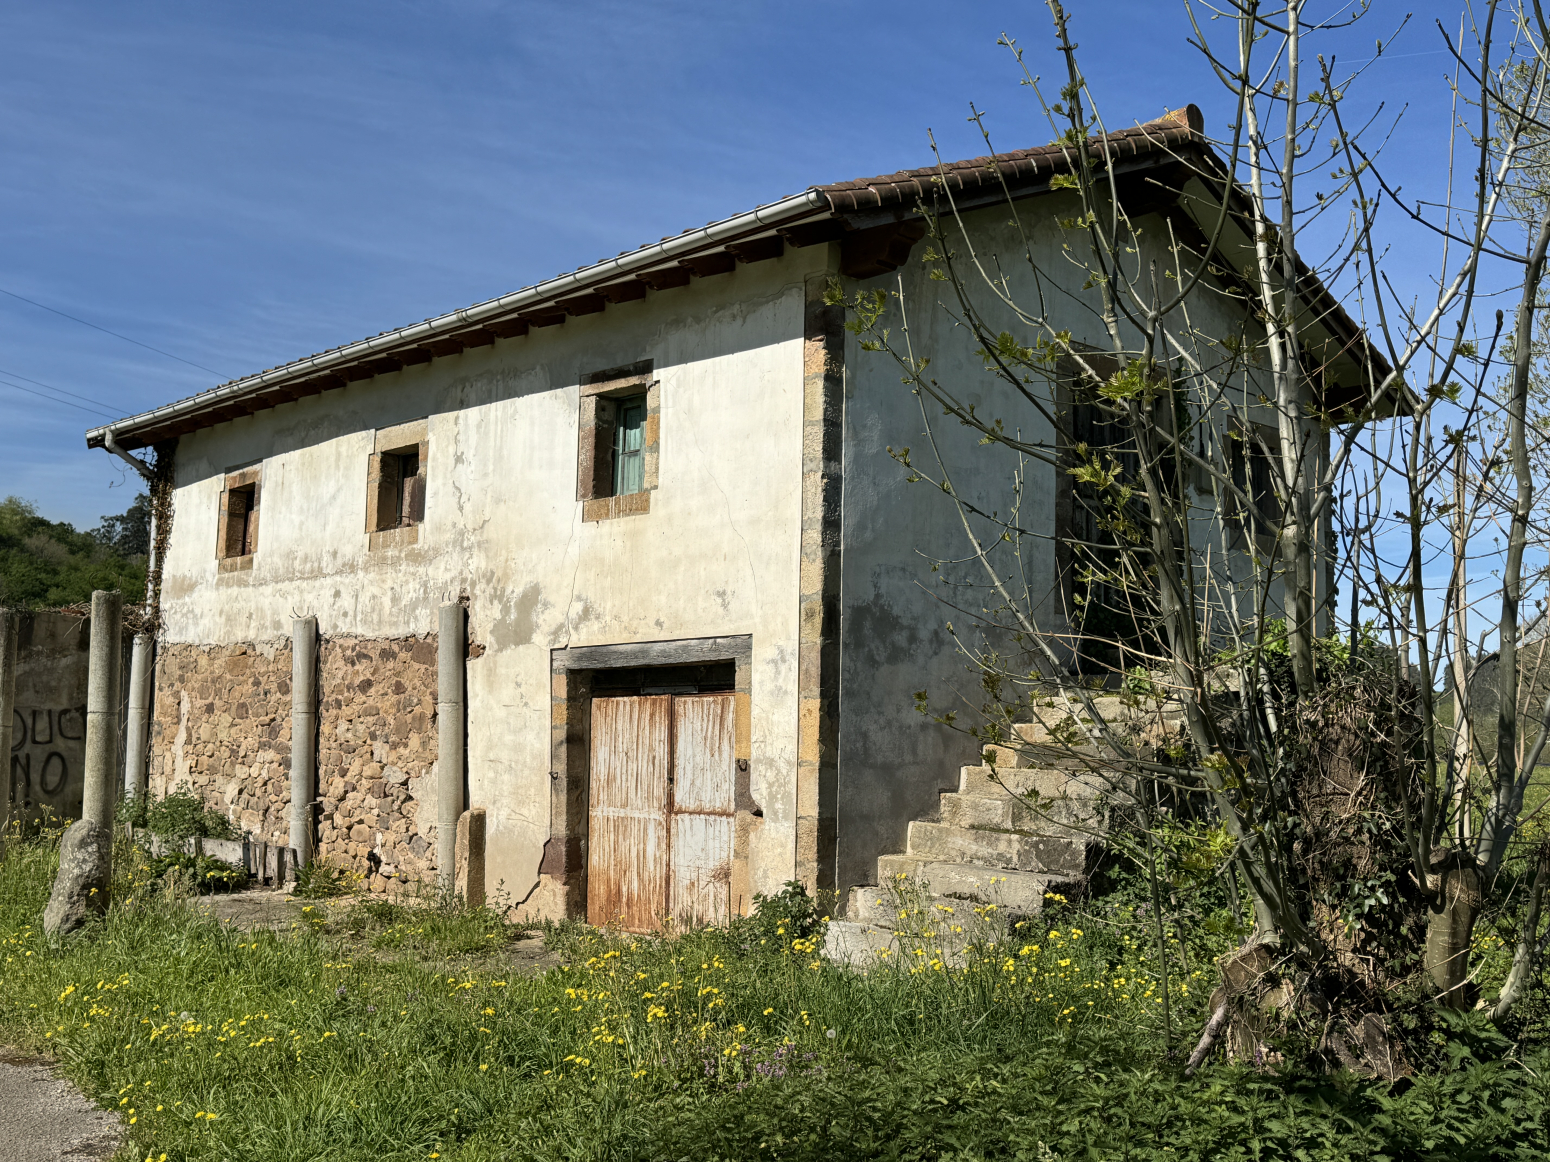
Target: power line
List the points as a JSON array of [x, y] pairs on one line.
[[105, 331], [51, 387], [51, 399]]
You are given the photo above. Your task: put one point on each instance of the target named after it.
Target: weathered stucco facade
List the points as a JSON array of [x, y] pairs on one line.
[[716, 556], [767, 551]]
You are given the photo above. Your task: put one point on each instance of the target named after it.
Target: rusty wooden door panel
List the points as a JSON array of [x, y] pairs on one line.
[[627, 816], [704, 756]]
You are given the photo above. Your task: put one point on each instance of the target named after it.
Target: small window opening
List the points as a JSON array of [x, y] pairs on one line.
[[411, 490], [1253, 472], [241, 521], [400, 490], [630, 447]]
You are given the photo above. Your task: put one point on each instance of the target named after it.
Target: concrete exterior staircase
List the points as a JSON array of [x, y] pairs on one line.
[[1006, 836]]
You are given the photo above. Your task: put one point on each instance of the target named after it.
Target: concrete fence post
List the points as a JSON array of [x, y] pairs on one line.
[[470, 856], [10, 628], [451, 651], [102, 686], [304, 736], [137, 734]]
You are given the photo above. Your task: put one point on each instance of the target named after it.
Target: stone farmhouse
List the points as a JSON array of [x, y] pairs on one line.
[[621, 559]]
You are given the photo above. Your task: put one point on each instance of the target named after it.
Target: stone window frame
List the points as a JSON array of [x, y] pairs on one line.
[[249, 479], [571, 671], [398, 440], [600, 395]]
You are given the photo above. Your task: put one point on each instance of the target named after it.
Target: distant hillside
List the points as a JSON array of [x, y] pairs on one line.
[[44, 563], [1533, 689], [1534, 678]]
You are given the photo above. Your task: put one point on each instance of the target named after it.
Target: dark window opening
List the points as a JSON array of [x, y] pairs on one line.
[[1253, 473], [1096, 517], [1102, 519], [241, 521], [411, 489], [712, 677], [400, 490]]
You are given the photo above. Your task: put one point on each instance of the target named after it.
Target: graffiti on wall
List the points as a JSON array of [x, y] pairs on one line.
[[48, 752]]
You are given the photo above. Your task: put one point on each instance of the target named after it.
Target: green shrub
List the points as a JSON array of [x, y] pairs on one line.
[[790, 911], [130, 809], [319, 880], [177, 817], [200, 874]]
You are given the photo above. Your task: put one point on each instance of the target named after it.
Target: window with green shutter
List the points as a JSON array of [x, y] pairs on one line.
[[630, 447]]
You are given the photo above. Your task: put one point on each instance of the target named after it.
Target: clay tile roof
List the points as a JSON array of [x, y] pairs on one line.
[[1168, 133]]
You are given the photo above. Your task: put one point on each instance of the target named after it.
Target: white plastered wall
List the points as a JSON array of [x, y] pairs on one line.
[[716, 555], [893, 760]]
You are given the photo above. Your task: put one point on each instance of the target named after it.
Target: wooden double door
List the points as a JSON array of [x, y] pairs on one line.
[[660, 811]]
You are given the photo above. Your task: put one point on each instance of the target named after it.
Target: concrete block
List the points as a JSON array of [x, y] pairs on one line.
[[1017, 892], [469, 857], [1046, 782], [997, 849], [858, 945]]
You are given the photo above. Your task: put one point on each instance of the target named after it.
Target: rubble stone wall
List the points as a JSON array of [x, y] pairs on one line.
[[222, 727], [377, 758]]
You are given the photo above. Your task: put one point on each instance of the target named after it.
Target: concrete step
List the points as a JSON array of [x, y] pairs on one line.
[[935, 921], [918, 911], [1045, 781], [864, 945], [1019, 892], [1053, 732], [1113, 707], [856, 944], [997, 849], [1035, 747], [879, 907], [1007, 758], [1069, 818]]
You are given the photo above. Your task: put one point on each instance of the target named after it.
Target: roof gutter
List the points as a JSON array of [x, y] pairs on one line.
[[111, 445], [809, 201]]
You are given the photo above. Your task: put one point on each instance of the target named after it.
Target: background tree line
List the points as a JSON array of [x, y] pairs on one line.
[[45, 564]]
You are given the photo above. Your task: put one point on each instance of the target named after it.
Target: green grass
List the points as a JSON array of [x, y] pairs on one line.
[[380, 1032]]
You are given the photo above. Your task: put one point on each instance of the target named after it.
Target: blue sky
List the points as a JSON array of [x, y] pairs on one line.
[[241, 185]]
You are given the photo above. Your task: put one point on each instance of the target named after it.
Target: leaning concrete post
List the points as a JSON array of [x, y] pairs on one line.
[[10, 627], [137, 733], [450, 655], [107, 625], [304, 733]]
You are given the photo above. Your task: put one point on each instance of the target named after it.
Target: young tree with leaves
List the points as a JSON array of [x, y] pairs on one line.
[[1238, 429]]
